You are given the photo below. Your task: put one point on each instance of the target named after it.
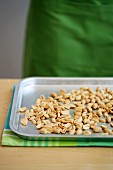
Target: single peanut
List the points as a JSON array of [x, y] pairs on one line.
[[97, 129], [72, 131], [23, 109], [24, 121], [43, 131], [86, 126], [87, 132], [79, 132], [39, 126], [102, 120], [108, 119]]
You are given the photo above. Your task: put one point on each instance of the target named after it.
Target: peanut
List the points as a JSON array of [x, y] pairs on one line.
[[102, 120], [79, 132], [39, 126], [24, 121], [108, 119], [23, 109], [87, 132], [86, 126], [111, 124], [97, 129], [72, 131], [43, 131]]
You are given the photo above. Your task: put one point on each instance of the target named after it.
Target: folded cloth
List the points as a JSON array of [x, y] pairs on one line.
[[9, 138]]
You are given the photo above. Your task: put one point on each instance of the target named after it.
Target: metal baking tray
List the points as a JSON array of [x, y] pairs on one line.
[[26, 92]]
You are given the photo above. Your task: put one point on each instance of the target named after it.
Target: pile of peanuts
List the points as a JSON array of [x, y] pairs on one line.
[[82, 111]]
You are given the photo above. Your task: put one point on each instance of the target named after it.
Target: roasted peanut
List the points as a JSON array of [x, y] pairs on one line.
[[39, 126], [43, 131], [53, 94], [105, 114], [97, 129], [79, 132], [102, 120], [99, 113], [24, 121], [53, 120], [87, 132], [77, 98], [56, 130], [108, 119], [34, 122], [23, 109], [109, 105], [86, 126], [72, 131], [89, 108], [111, 124]]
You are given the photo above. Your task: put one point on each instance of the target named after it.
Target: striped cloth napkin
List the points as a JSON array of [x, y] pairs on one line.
[[9, 138]]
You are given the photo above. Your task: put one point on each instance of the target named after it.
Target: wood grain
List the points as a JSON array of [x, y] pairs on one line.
[[65, 158]]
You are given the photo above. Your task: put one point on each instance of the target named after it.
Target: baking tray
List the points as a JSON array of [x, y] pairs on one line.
[[29, 89]]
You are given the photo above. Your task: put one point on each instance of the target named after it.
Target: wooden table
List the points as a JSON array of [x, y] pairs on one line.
[[65, 158]]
